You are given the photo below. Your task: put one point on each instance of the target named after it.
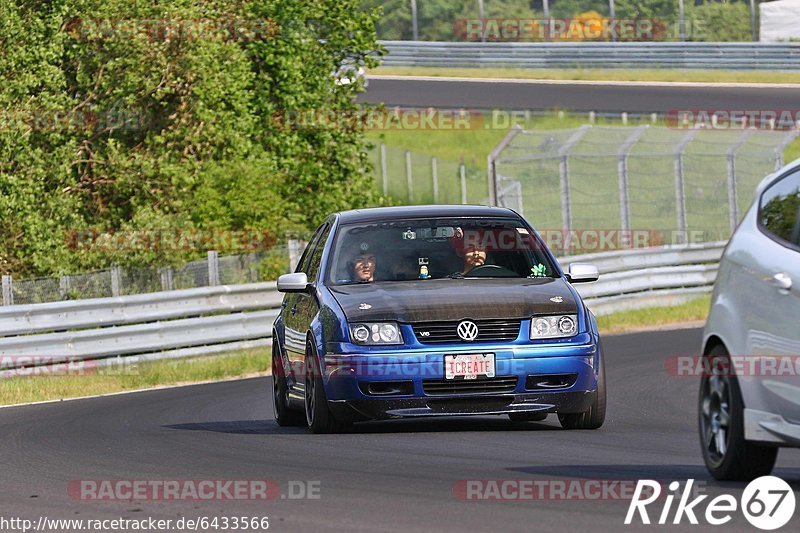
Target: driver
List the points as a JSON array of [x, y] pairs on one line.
[[474, 256]]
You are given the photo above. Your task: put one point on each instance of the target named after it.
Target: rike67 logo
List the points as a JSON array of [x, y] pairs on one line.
[[767, 503]]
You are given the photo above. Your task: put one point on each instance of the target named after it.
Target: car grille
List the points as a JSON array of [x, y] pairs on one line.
[[488, 330], [437, 387]]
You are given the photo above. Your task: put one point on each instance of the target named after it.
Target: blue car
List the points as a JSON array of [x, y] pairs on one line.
[[427, 311]]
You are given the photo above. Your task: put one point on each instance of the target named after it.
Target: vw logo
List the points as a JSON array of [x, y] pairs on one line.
[[467, 330]]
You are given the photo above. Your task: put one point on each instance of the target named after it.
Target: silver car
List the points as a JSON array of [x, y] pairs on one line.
[[749, 402]]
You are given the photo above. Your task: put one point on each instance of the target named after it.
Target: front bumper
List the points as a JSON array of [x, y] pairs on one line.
[[345, 377]]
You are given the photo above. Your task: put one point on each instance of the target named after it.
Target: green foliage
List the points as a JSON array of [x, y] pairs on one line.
[[719, 21], [116, 133]]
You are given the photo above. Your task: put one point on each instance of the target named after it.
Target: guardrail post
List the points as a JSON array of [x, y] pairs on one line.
[[116, 280], [680, 193], [213, 268], [8, 292], [384, 173], [167, 283]]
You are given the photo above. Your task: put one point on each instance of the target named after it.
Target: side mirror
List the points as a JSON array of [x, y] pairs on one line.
[[295, 282], [582, 272]]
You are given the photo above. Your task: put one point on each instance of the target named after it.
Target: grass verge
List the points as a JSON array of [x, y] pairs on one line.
[[651, 318], [699, 76], [256, 362], [133, 377]]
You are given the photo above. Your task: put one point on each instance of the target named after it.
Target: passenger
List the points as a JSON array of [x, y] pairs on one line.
[[362, 265]]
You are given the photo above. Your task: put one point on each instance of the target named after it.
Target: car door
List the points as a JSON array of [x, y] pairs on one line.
[[774, 300], [294, 332], [305, 305]]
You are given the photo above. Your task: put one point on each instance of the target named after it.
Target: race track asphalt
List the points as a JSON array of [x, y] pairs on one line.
[[576, 97], [384, 476]]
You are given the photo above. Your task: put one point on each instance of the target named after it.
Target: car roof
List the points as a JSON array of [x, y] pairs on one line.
[[423, 211]]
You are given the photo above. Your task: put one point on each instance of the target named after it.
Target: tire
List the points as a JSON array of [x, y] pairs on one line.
[[593, 417], [527, 417], [318, 416], [284, 416], [728, 456]]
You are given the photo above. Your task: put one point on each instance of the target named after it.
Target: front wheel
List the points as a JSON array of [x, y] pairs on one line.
[[280, 404], [728, 456], [318, 416], [594, 417]]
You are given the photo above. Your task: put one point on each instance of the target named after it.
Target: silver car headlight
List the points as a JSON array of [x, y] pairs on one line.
[[376, 333], [553, 327]]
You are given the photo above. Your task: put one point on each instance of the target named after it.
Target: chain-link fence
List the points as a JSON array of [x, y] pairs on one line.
[[420, 178], [121, 281], [570, 20], [679, 185]]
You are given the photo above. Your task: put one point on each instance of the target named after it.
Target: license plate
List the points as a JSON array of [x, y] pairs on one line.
[[469, 366]]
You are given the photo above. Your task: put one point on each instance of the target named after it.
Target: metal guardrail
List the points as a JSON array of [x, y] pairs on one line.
[[686, 55], [210, 320], [634, 279]]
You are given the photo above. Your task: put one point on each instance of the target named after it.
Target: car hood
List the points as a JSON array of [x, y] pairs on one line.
[[454, 299]]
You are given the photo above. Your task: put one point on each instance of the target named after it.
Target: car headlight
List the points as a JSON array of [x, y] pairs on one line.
[[553, 327], [376, 333]]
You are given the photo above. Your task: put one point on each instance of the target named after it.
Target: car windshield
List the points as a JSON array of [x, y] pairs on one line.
[[440, 248]]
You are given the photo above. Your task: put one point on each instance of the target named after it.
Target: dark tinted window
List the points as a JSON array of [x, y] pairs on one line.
[[437, 248], [302, 264], [780, 209], [316, 256]]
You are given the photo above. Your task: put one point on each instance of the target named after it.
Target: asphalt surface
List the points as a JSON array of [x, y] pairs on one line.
[[577, 97], [385, 476]]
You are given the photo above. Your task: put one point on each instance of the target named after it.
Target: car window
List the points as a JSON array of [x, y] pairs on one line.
[[302, 264], [779, 210], [316, 255], [438, 248]]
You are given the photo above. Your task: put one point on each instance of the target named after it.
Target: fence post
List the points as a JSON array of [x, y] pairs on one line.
[[563, 174], [409, 180], [64, 286], [116, 279], [384, 174], [8, 290], [295, 249], [462, 171], [781, 147], [680, 192], [733, 208], [213, 268], [622, 171], [414, 23], [167, 283], [435, 176], [491, 164]]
